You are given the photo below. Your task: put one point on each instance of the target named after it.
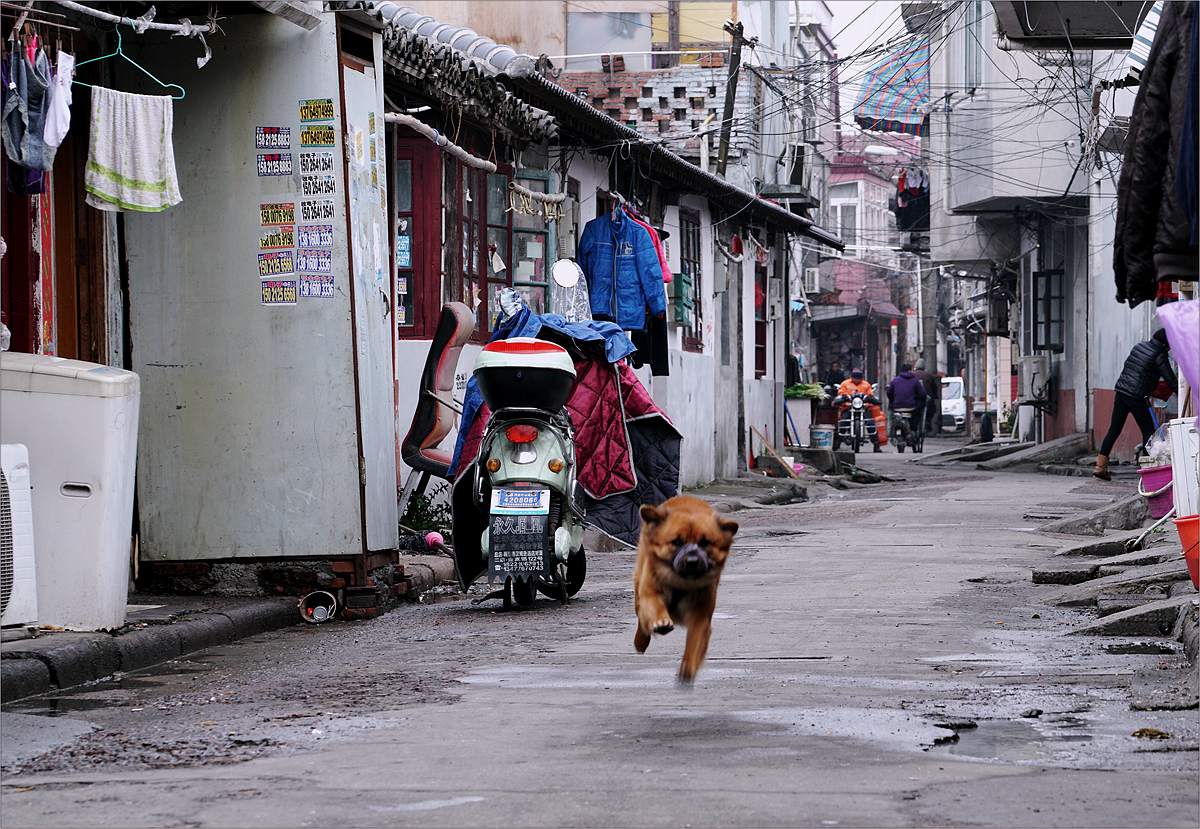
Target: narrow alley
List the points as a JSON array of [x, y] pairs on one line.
[[880, 658]]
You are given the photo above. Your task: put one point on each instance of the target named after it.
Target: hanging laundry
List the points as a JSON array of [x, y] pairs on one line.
[[652, 346], [623, 272], [131, 158], [25, 102], [58, 110], [1154, 231], [657, 242]]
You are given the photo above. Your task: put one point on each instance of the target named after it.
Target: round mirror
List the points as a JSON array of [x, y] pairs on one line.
[[566, 273]]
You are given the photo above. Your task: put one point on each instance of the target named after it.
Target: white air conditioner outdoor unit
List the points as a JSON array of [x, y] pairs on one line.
[[812, 280], [1033, 378], [18, 578]]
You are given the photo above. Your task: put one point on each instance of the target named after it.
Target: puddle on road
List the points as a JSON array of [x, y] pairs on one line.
[[573, 677], [892, 728], [1018, 741]]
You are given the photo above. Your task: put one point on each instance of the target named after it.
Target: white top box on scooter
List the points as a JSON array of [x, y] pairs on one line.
[[525, 372]]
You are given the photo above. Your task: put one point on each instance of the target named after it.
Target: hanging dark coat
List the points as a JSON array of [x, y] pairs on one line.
[[1154, 229]]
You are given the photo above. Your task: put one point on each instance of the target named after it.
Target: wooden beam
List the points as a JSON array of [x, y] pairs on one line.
[[295, 11]]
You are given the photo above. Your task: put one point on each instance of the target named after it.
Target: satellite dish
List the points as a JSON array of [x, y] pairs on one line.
[[566, 273]]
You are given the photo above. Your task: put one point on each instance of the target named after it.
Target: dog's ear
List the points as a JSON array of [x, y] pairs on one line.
[[728, 526], [653, 515]]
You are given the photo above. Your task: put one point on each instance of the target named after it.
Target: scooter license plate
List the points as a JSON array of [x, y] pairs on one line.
[[518, 531]]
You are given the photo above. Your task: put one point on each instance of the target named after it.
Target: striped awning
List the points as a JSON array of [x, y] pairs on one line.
[[895, 93], [1142, 41]]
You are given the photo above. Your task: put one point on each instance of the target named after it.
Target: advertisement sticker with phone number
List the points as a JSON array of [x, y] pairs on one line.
[[279, 291]]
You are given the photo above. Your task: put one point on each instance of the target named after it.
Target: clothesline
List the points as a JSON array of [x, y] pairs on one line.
[[440, 140]]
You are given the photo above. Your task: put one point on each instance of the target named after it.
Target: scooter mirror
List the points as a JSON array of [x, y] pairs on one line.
[[566, 273]]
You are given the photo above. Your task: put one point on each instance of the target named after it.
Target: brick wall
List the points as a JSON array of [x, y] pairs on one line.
[[672, 104]]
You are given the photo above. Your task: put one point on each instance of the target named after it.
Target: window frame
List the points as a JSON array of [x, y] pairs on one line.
[[1049, 310], [425, 214], [761, 287], [691, 265], [547, 232]]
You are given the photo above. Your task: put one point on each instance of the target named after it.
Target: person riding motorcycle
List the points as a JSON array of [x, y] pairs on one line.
[[856, 383], [906, 391]]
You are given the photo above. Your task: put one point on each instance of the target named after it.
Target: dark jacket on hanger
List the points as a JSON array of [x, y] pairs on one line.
[[652, 347], [623, 272], [1154, 233], [1146, 363]]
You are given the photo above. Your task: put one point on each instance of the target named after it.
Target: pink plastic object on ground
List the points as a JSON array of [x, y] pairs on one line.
[[1154, 479], [1182, 323], [434, 539]]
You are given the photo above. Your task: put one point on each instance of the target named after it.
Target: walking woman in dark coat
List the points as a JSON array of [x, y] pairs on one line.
[[1146, 364]]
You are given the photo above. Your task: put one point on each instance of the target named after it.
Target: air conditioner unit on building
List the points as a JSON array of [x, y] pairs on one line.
[[812, 280], [18, 579], [1033, 378], [808, 128]]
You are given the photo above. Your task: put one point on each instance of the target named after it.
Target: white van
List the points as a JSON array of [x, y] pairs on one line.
[[954, 404]]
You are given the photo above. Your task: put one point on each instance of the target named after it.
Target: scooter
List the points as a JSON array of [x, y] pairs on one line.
[[524, 504], [856, 424], [903, 433]]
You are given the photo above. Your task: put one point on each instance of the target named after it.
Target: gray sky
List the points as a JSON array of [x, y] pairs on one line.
[[877, 20]]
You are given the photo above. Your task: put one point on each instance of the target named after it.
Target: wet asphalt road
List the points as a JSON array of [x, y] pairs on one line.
[[876, 659]]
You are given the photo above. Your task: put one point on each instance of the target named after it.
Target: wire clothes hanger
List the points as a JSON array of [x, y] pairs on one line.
[[121, 53]]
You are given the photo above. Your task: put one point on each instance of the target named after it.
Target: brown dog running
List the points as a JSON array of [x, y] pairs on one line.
[[680, 556]]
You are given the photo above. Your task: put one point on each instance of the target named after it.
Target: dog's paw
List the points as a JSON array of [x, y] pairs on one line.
[[641, 641], [664, 626], [684, 679]]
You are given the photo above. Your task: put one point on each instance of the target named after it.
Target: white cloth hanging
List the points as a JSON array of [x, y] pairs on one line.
[[58, 112], [131, 157]]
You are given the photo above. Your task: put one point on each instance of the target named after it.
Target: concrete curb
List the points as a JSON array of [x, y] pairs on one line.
[[62, 660], [1069, 446]]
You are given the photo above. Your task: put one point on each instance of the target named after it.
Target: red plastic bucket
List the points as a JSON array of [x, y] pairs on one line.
[[1155, 487], [1189, 536]]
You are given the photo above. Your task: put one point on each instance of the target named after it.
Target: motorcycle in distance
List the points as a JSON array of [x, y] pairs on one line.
[[903, 434], [523, 504], [855, 425]]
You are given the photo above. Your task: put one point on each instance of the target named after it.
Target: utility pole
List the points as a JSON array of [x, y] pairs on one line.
[[736, 30], [929, 305]]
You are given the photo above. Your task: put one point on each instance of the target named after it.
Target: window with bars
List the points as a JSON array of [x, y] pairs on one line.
[[688, 309]]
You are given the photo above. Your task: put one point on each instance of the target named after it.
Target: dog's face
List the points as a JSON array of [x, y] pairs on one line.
[[687, 539]]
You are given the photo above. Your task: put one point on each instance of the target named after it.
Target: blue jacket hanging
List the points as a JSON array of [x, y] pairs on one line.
[[623, 271]]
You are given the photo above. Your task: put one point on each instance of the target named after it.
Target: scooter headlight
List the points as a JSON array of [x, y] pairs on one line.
[[857, 403]]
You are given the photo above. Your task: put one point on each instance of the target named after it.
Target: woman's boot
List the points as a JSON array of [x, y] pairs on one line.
[[1101, 470]]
